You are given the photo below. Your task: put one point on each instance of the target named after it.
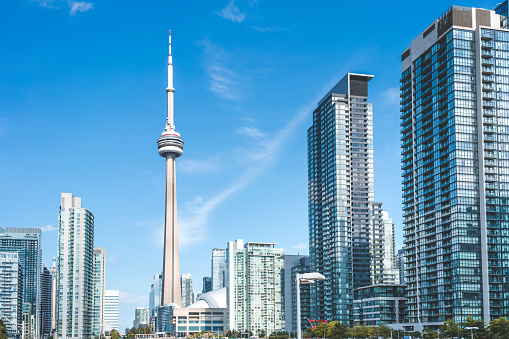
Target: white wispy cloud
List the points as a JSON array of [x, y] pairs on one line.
[[79, 6], [132, 298], [49, 228], [232, 13], [111, 259], [48, 4], [222, 80], [391, 96], [193, 220], [300, 247], [251, 132], [195, 166]]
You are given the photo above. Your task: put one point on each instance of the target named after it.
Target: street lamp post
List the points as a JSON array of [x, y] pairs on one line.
[[304, 278], [471, 331]]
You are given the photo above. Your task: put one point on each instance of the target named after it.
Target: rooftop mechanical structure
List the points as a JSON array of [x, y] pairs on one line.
[[170, 146]]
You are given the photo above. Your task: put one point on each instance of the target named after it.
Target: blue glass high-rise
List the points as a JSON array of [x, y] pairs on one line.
[[455, 162]]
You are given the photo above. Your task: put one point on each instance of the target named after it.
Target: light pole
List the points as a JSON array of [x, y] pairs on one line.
[[471, 331], [304, 278]]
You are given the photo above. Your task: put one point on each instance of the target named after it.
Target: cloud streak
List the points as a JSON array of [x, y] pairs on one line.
[[49, 228], [195, 217], [232, 13], [132, 298], [300, 247], [222, 80], [79, 6]]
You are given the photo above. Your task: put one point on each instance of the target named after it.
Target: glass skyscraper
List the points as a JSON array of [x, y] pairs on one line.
[[46, 301], [75, 269], [154, 298], [11, 292], [218, 268], [455, 162], [345, 223], [186, 286], [254, 287], [27, 243], [99, 277]]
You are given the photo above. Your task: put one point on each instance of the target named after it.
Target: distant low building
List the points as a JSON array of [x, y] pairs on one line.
[[296, 264], [186, 285], [379, 304], [207, 284], [141, 317], [110, 310], [208, 313]]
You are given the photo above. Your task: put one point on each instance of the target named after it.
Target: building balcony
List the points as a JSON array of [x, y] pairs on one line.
[[487, 70]]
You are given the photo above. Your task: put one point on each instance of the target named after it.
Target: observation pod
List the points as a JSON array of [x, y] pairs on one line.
[[170, 143]]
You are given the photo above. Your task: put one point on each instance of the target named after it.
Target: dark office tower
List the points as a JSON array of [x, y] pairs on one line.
[[455, 162], [343, 217], [46, 302], [27, 243], [207, 284]]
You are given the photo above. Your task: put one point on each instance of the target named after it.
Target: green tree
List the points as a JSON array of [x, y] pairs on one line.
[[3, 330], [114, 334], [449, 329], [337, 330], [499, 328], [480, 333], [383, 331], [361, 331], [430, 334]]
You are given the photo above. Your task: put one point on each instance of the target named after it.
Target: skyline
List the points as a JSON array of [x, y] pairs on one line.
[[118, 99]]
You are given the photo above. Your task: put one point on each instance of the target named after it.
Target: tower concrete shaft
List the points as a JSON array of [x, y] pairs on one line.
[[170, 146]]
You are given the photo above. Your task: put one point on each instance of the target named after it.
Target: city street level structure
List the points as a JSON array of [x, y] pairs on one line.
[[170, 147]]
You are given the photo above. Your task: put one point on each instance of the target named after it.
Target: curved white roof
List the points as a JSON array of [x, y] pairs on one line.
[[212, 299]]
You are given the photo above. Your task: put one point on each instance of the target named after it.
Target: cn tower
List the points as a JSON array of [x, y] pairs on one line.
[[170, 146]]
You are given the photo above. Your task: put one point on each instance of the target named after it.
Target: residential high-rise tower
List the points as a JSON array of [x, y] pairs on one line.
[[11, 293], [46, 302], [99, 286], [455, 160], [170, 147], [27, 243], [75, 269], [254, 287], [186, 281], [345, 223], [218, 268]]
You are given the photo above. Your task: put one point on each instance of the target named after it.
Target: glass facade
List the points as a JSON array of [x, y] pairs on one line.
[[27, 243], [75, 269], [218, 268], [379, 304], [345, 224], [186, 285], [11, 292], [455, 158], [254, 287], [46, 301], [154, 299], [99, 285]]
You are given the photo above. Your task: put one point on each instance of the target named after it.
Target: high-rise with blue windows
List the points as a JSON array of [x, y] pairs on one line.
[[351, 239], [27, 243], [75, 286], [455, 163]]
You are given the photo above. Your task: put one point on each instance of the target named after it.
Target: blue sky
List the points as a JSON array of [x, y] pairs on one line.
[[82, 103]]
